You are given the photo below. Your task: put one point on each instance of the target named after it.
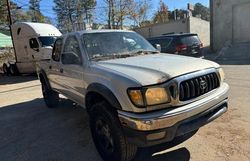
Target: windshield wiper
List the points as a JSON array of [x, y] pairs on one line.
[[134, 53], [98, 57], [146, 52]]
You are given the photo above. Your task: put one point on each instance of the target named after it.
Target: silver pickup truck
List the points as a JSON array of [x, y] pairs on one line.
[[135, 96]]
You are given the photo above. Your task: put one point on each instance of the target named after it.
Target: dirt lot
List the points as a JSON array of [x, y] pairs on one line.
[[30, 131]]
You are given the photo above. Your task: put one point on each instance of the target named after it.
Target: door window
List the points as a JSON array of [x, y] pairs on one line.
[[71, 53], [57, 50], [165, 42], [33, 43]]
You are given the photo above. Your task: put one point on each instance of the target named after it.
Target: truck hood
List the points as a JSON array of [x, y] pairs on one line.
[[157, 68]]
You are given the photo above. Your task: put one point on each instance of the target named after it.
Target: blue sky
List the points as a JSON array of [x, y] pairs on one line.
[[47, 5], [181, 4]]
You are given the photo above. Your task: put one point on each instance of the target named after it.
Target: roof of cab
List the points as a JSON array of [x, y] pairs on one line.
[[39, 28], [99, 31]]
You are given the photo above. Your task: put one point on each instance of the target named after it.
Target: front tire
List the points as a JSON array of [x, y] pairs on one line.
[[51, 97], [108, 136]]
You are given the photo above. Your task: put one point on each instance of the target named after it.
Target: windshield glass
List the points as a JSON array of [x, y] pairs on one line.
[[115, 45], [47, 40]]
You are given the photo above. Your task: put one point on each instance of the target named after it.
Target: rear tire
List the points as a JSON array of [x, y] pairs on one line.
[[108, 136], [6, 69], [51, 97], [13, 69]]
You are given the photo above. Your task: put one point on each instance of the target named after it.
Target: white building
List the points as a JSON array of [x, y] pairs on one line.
[[188, 25], [230, 22]]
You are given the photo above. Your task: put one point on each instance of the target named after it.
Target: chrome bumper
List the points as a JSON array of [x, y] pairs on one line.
[[169, 117]]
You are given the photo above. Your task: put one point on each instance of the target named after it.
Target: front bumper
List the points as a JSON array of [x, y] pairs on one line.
[[163, 126]]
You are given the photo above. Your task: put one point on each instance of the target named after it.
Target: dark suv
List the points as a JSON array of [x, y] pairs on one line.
[[182, 44]]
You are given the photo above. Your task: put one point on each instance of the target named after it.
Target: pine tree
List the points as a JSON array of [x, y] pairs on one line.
[[202, 11], [34, 10], [17, 14], [71, 14]]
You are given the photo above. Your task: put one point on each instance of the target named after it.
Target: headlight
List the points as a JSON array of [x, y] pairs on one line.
[[222, 74], [136, 97], [156, 96], [152, 96]]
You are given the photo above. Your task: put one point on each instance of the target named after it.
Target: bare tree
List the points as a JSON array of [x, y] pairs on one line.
[[120, 10], [162, 14], [138, 12]]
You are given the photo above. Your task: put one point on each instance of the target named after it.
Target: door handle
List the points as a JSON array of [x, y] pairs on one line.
[[61, 70]]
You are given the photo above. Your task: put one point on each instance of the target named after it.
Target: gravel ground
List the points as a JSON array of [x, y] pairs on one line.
[[31, 132]]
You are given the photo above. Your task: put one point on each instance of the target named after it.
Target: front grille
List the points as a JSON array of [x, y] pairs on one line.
[[195, 87]]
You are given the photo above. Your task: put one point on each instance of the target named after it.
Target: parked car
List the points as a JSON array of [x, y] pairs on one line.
[[134, 95], [181, 44]]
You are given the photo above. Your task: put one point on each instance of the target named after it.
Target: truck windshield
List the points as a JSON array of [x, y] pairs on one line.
[[111, 45], [47, 40]]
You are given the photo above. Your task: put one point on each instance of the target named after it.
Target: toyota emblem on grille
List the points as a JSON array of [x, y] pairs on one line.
[[203, 84]]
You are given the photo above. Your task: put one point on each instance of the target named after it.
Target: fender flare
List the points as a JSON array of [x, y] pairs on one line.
[[105, 92]]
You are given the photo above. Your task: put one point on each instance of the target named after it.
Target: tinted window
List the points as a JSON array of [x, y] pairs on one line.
[[190, 40], [165, 42], [33, 43], [154, 42], [57, 50], [47, 40]]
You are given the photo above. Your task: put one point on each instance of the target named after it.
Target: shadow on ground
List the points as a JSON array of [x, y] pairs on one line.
[[30, 131], [236, 54], [7, 80], [155, 154]]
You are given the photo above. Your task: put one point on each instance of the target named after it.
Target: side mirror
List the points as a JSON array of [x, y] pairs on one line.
[[158, 47], [71, 58]]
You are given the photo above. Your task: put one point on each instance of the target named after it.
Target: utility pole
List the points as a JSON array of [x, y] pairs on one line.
[[9, 14], [10, 23]]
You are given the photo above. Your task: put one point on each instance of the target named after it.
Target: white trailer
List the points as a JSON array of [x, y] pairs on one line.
[[32, 43]]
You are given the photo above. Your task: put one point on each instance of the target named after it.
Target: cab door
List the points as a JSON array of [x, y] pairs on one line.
[[33, 49], [53, 71], [72, 70]]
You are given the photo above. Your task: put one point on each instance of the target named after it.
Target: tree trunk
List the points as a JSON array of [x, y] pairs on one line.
[[109, 14], [112, 14]]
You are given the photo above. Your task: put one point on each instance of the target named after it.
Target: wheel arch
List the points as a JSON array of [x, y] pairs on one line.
[[97, 92]]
